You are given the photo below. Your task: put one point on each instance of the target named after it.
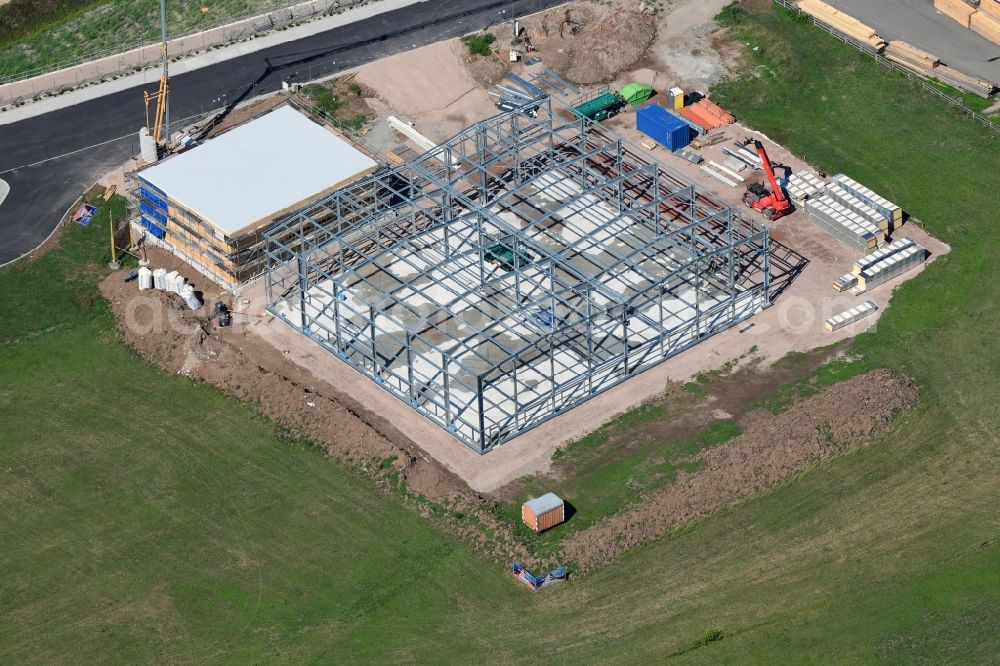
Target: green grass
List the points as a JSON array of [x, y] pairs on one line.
[[603, 483], [480, 44], [49, 33], [149, 519]]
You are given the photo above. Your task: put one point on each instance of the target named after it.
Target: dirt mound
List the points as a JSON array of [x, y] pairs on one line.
[[590, 43], [770, 449]]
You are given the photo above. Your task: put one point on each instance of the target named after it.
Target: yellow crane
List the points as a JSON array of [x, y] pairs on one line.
[[157, 126], [159, 129]]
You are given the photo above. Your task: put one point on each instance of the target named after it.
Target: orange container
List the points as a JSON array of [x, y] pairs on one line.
[[543, 512]]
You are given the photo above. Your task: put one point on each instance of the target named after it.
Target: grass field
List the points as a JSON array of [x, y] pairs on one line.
[[37, 34], [148, 519]]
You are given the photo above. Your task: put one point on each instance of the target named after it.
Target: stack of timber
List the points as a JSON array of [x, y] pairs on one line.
[[803, 185], [842, 22], [707, 140], [848, 317], [956, 9], [929, 66], [888, 268], [910, 56], [964, 82], [847, 229], [891, 211], [987, 23]]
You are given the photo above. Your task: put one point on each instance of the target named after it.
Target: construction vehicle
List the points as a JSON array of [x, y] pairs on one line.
[[772, 203]]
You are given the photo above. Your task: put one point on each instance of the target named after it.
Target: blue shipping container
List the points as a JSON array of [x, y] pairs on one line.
[[663, 127]]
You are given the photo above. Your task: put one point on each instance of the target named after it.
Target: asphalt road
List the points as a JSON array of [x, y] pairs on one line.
[[917, 22], [42, 160]]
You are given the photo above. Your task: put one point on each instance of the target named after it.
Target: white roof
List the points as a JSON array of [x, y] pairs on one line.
[[261, 168], [544, 504]]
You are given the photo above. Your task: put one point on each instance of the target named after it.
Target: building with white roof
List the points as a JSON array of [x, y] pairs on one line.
[[212, 203]]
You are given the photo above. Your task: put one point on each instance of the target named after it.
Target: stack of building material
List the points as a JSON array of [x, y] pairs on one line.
[[850, 316], [845, 282], [910, 56], [930, 66], [855, 217], [721, 173], [840, 226], [849, 199], [956, 9], [803, 185], [885, 207], [842, 22], [964, 82], [893, 265], [869, 260], [987, 23], [707, 115]]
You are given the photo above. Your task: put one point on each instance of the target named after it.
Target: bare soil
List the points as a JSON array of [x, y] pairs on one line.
[[770, 449], [487, 70], [587, 42]]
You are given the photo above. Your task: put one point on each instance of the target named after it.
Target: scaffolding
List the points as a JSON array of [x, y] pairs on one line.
[[515, 271]]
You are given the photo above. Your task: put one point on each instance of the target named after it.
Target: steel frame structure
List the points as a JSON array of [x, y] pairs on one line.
[[517, 270]]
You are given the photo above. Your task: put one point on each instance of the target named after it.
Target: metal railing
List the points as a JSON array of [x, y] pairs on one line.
[[910, 74], [330, 7]]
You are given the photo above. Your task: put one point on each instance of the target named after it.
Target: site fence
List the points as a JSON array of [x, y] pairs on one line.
[[913, 76]]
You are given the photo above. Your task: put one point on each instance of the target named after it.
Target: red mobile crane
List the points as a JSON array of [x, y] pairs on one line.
[[772, 204]]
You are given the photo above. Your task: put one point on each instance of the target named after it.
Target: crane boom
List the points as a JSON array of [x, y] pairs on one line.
[[779, 195]]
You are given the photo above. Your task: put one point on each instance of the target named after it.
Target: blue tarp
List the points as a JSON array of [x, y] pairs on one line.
[[149, 195], [539, 582], [152, 212], [153, 228]]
